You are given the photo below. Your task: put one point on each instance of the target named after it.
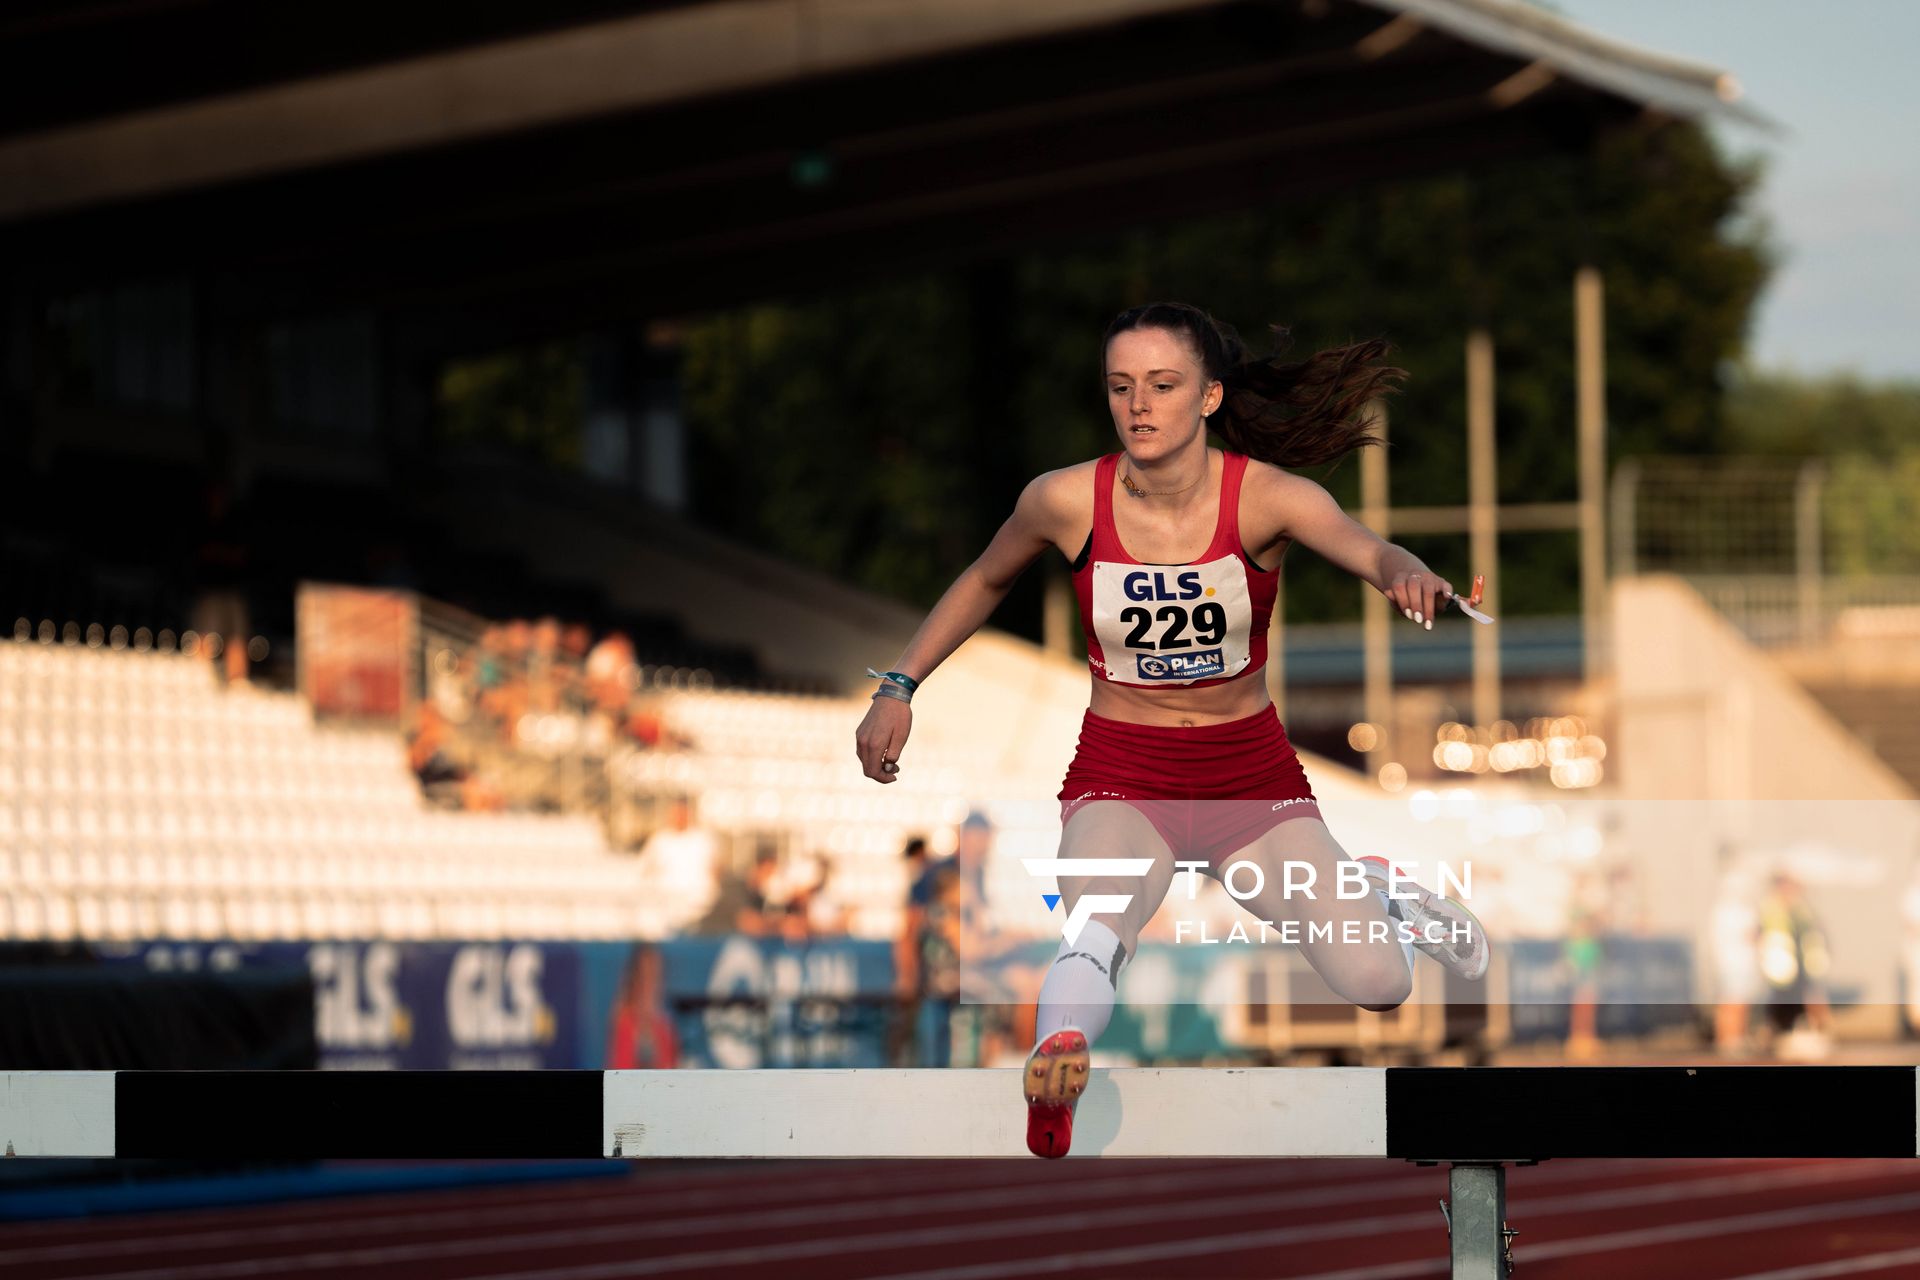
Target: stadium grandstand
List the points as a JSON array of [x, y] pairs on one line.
[[241, 297], [248, 394]]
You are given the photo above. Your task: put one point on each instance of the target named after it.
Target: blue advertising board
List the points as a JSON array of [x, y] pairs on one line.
[[743, 1002], [414, 1005]]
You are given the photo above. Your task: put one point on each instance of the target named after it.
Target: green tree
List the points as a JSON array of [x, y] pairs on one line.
[[1868, 434], [1785, 414], [882, 433]]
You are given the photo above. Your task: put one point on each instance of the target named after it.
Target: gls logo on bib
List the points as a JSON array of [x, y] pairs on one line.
[[1159, 625]]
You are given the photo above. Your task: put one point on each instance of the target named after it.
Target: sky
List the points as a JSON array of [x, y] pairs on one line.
[[1842, 188]]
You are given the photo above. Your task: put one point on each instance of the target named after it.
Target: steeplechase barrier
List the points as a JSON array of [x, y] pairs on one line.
[[1477, 1120]]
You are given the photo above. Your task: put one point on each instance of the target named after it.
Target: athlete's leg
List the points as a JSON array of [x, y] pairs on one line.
[[1353, 943], [1079, 987], [1076, 999]]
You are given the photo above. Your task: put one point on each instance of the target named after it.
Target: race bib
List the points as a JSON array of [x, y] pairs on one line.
[[1172, 625]]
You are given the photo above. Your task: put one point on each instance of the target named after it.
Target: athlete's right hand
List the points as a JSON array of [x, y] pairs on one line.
[[881, 737]]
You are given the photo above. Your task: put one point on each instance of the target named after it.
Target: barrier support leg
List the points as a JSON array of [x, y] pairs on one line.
[[1481, 1245]]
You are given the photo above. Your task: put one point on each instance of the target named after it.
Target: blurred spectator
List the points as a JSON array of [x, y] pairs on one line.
[[220, 564], [561, 706], [518, 639], [575, 642], [810, 911], [648, 728], [972, 843], [915, 855], [941, 921], [677, 864], [1735, 932], [445, 775], [744, 903], [429, 751], [1793, 956], [490, 668], [543, 666], [610, 672], [937, 927], [1582, 952], [641, 1034], [906, 1009], [502, 697]]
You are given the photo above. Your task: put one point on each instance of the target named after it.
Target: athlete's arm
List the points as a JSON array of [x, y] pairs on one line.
[[1311, 517], [962, 610]]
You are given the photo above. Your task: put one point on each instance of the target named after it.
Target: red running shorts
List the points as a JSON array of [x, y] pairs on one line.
[[1210, 790]]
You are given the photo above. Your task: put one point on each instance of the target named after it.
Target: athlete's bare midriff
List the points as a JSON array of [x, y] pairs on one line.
[[1214, 704], [1166, 543]]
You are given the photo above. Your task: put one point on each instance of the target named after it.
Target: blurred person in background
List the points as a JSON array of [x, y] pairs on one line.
[[430, 752], [576, 641], [963, 873], [641, 1034], [609, 672], [937, 967], [826, 915], [490, 664], [972, 842], [1793, 958], [914, 855], [444, 764], [493, 678], [220, 565], [906, 1006], [744, 904], [646, 727], [544, 674], [808, 911], [1581, 952], [1735, 930], [678, 866], [1166, 539]]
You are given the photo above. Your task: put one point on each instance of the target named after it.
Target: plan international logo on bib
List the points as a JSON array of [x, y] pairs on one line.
[[1182, 666]]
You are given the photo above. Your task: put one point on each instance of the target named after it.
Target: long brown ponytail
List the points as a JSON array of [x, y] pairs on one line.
[[1297, 414]]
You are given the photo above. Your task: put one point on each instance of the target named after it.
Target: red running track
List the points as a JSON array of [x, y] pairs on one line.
[[981, 1220]]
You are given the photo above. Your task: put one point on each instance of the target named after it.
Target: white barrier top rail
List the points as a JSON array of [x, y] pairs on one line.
[[1413, 1113]]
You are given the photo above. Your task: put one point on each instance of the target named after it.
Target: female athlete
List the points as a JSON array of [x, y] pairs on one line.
[[1175, 548]]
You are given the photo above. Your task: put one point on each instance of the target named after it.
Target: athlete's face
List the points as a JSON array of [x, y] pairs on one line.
[[1157, 392]]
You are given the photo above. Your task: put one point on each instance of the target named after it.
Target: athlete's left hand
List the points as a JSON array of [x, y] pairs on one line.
[[1419, 595]]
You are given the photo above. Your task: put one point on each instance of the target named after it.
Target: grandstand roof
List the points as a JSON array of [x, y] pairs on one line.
[[533, 159], [1677, 85]]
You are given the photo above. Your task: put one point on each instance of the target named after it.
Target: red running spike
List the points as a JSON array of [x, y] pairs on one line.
[[1055, 1077]]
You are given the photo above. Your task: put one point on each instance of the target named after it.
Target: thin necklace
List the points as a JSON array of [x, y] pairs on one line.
[[1126, 478]]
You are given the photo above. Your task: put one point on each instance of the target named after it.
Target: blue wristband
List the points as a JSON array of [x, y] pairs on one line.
[[900, 678]]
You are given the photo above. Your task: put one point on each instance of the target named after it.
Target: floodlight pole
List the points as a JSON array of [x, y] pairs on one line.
[[1590, 375], [1485, 516], [1483, 526], [1376, 512]]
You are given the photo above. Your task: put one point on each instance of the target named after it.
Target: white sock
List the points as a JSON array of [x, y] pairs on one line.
[[1080, 987]]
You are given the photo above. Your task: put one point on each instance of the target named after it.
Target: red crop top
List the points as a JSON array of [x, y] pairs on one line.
[[1193, 625]]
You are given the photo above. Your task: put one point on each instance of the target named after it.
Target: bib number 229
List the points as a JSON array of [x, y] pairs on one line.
[[1208, 620]]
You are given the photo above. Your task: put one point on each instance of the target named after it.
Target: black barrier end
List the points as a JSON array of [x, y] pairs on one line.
[[447, 1115]]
